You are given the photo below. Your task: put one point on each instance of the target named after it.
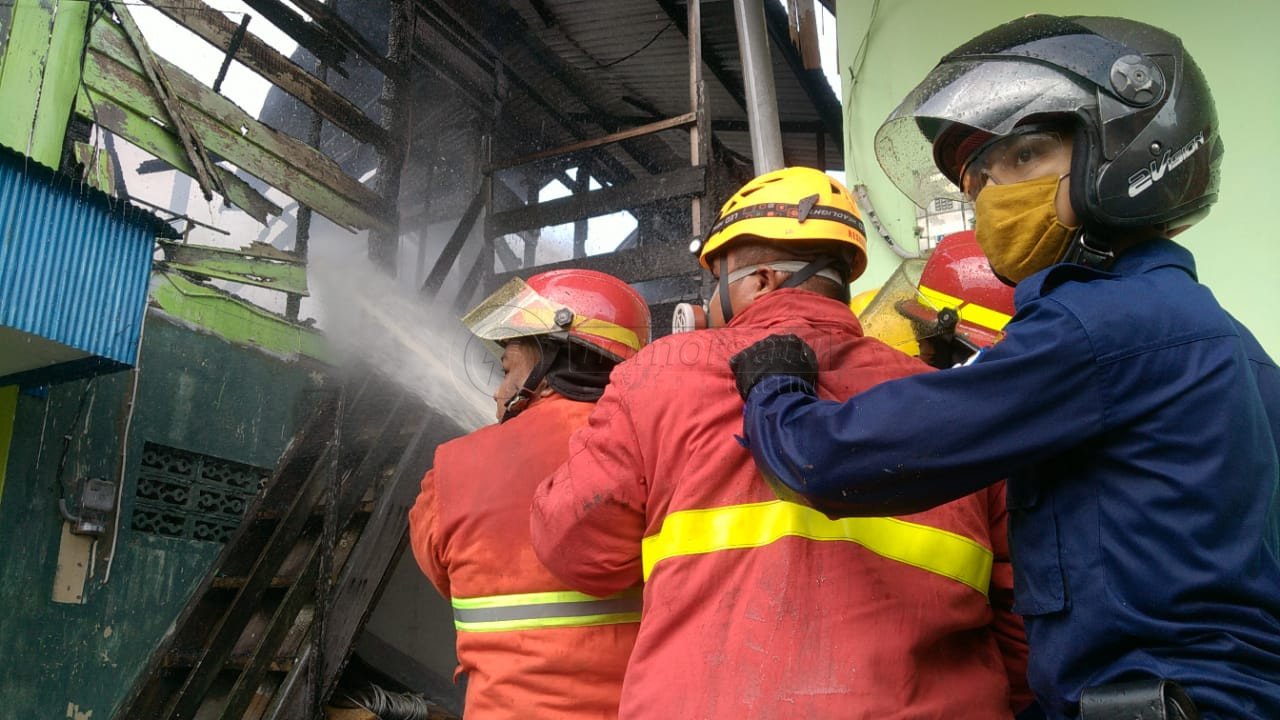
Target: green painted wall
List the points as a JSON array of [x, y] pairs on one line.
[[8, 407], [196, 392], [1234, 43]]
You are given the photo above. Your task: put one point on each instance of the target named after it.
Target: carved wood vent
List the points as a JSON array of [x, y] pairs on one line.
[[184, 494]]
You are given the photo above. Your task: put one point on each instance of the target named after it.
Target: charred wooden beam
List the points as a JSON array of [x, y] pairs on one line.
[[685, 182], [731, 84], [230, 51], [798, 127], [324, 16], [216, 29], [647, 129], [449, 254], [813, 81], [396, 96], [639, 264], [550, 62], [320, 43]]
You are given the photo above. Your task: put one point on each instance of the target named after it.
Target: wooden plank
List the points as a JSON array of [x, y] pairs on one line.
[[647, 262], [449, 254], [217, 112], [139, 130], [324, 16], [364, 573], [304, 450], [174, 110], [39, 76], [813, 82], [677, 183], [300, 171], [243, 266], [217, 29], [231, 622], [324, 47], [383, 243], [648, 129]]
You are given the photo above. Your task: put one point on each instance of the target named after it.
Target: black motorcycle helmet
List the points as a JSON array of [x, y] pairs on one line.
[[1147, 150]]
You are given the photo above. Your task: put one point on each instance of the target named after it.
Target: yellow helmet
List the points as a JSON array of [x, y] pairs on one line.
[[860, 301], [796, 205]]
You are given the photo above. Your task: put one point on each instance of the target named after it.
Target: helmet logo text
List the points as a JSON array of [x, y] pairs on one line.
[[1145, 178]]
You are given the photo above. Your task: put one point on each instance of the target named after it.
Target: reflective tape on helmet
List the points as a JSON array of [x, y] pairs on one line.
[[969, 312], [792, 211], [545, 318], [533, 611], [695, 532]]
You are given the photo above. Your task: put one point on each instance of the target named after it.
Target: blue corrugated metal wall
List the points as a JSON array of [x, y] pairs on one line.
[[73, 268]]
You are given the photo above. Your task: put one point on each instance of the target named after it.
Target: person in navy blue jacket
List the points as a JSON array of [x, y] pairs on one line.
[[1137, 422]]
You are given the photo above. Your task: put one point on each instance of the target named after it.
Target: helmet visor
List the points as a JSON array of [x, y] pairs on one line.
[[991, 96], [881, 319], [514, 310]]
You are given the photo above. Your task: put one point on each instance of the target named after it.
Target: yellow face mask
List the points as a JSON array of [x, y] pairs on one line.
[[1018, 227]]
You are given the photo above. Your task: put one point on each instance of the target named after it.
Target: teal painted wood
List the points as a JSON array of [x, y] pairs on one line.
[[196, 392], [74, 265]]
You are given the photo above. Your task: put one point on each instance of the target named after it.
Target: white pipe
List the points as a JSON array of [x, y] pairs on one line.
[[757, 75]]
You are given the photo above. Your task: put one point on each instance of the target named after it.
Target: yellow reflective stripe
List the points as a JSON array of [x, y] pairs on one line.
[[693, 532], [527, 611], [609, 330], [968, 311], [542, 598], [578, 621], [546, 322]]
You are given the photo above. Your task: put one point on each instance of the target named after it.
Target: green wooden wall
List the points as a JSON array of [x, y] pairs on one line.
[[196, 392]]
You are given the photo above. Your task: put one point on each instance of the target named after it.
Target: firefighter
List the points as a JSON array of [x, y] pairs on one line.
[[954, 308], [755, 607], [1135, 419], [530, 647]]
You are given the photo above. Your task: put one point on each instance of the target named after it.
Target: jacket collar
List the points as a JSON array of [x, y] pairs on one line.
[[792, 306], [1141, 258]]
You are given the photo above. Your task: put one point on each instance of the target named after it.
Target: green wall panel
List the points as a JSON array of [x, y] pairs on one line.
[[8, 406], [1234, 43], [196, 392]]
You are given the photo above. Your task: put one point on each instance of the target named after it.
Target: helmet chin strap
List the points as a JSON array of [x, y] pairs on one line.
[[1089, 252]]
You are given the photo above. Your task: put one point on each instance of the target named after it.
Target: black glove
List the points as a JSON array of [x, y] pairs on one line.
[[774, 355]]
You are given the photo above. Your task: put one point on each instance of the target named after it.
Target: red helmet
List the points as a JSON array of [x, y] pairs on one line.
[[958, 298], [591, 308]]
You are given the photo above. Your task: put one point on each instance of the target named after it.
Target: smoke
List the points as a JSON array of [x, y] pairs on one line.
[[368, 318]]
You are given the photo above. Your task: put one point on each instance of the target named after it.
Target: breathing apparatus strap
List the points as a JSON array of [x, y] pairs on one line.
[[726, 307], [797, 278]]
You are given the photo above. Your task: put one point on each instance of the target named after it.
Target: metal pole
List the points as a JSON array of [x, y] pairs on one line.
[[757, 75]]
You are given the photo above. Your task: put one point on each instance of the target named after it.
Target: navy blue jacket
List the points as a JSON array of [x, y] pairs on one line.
[[1137, 423]]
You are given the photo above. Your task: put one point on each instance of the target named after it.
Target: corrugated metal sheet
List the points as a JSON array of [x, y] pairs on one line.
[[73, 268]]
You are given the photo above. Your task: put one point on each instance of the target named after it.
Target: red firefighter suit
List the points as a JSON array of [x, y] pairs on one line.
[[756, 607], [530, 647]]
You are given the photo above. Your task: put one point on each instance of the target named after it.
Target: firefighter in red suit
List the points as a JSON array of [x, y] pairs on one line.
[[755, 606], [530, 646]]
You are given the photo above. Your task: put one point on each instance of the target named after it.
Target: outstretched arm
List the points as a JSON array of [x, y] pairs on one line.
[[588, 518], [911, 444]]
